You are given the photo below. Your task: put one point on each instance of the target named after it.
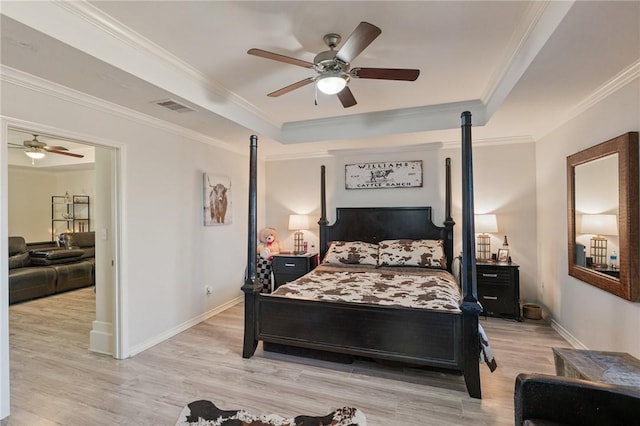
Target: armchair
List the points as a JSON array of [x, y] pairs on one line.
[[544, 400]]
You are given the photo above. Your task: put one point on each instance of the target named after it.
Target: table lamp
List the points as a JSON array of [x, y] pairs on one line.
[[485, 223], [298, 223], [599, 225]]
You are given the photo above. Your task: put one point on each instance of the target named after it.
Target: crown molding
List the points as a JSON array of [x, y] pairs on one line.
[[298, 156], [611, 86], [542, 19], [37, 84], [117, 30], [405, 120], [486, 142], [80, 25], [515, 47], [419, 147]]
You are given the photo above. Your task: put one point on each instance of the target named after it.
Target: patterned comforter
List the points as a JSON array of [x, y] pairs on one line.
[[409, 287]]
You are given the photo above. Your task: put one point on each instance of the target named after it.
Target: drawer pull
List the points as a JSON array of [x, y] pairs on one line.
[[490, 275], [490, 297], [289, 265]]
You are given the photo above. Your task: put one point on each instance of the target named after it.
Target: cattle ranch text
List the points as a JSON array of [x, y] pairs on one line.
[[391, 174]]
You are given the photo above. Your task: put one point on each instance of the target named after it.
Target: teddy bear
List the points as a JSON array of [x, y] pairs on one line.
[[269, 244]]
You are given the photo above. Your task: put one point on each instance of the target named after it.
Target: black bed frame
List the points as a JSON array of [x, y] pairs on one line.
[[416, 336]]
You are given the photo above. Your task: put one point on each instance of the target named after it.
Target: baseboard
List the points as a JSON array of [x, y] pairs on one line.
[[573, 341], [101, 338], [184, 326]]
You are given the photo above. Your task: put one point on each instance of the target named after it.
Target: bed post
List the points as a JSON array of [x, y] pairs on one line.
[[448, 220], [470, 308], [251, 285], [323, 222]]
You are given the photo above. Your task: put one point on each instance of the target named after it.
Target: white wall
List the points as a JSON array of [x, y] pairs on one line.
[[30, 192], [592, 317], [504, 183], [30, 203]]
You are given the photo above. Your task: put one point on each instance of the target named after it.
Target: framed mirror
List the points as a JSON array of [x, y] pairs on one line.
[[602, 191]]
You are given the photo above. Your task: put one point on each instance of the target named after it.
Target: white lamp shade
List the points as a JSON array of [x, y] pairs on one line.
[[331, 84], [298, 222], [36, 155], [599, 224], [486, 223]]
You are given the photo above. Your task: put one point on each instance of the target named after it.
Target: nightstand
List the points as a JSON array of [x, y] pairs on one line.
[[499, 289], [288, 267]]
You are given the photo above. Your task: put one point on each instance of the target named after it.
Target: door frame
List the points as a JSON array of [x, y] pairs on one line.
[[117, 302]]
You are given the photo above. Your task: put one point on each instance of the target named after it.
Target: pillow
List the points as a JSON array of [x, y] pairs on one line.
[[422, 253], [352, 253]]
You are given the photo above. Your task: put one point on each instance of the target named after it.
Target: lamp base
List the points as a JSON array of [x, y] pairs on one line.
[[483, 243], [598, 251], [298, 243]]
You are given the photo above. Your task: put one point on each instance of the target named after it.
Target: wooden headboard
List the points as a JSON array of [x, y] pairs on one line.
[[375, 224]]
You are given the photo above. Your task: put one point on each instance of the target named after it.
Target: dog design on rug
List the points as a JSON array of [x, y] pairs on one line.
[[205, 413]]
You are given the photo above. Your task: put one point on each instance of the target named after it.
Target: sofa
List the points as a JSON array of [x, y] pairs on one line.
[[545, 400], [86, 241], [42, 270]]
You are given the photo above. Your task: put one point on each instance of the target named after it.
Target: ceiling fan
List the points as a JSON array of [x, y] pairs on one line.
[[36, 150], [334, 67]]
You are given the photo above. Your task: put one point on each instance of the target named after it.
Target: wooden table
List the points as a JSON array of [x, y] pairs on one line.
[[617, 368]]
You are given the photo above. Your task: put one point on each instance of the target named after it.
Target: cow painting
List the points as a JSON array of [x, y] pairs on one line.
[[217, 200]]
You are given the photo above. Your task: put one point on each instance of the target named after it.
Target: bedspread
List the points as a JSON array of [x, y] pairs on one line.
[[398, 286]]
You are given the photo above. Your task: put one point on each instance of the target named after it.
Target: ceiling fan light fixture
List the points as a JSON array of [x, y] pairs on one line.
[[331, 83], [34, 154]]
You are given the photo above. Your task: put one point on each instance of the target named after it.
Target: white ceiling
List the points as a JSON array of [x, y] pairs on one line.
[[521, 67]]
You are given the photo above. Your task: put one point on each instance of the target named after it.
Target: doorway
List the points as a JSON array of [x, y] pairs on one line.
[[105, 330]]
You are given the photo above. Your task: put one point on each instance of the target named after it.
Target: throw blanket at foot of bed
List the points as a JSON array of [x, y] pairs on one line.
[[205, 413]]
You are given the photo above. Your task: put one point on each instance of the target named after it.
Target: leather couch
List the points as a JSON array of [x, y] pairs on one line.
[[45, 271], [544, 400], [85, 241]]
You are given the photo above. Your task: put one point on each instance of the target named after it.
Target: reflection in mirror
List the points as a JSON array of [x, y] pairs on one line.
[[596, 209], [603, 216]]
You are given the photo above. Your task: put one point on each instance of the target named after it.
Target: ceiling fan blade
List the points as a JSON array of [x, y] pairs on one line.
[[280, 58], [347, 98], [291, 87], [386, 73], [70, 154], [54, 148], [15, 145], [359, 39]]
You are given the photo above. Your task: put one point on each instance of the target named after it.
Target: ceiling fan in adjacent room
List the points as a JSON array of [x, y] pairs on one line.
[[36, 150], [334, 67]]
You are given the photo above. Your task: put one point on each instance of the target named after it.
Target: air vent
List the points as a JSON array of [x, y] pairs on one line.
[[174, 106]]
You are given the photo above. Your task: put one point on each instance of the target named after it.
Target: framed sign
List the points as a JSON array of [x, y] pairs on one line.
[[389, 174]]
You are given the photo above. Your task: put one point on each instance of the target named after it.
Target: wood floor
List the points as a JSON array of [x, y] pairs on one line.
[[55, 380]]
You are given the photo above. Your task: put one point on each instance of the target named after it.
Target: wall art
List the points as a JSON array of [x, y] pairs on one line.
[[217, 200], [384, 175]]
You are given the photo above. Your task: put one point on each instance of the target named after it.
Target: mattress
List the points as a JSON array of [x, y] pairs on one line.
[[409, 287]]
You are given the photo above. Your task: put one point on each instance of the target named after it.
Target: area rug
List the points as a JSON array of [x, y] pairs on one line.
[[205, 413]]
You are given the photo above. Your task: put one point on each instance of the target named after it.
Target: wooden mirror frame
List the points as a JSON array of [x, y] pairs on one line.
[[628, 285]]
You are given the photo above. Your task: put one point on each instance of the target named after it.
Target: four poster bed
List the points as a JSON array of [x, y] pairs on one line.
[[367, 249]]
